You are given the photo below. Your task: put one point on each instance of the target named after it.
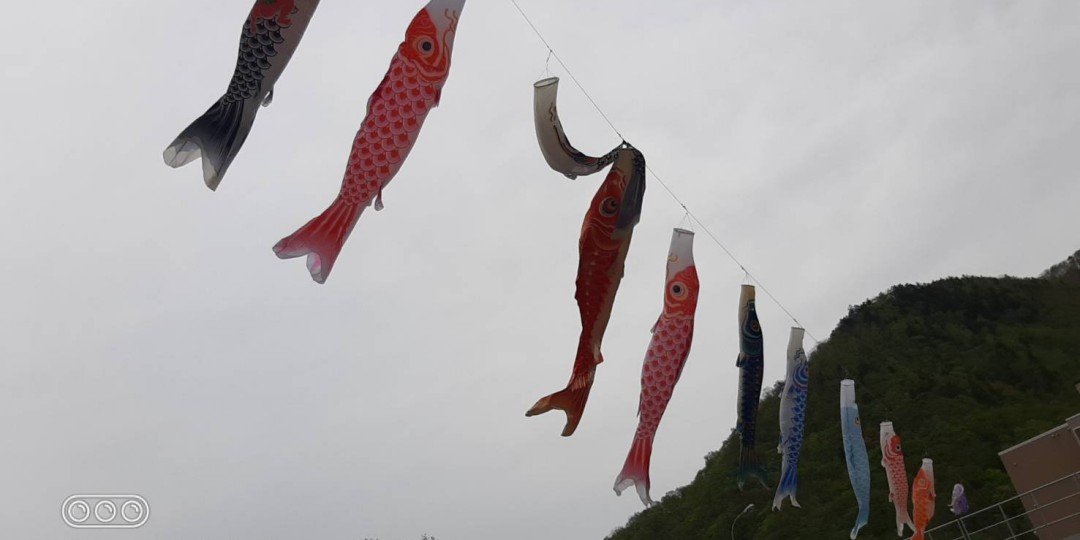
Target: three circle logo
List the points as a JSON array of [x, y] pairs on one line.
[[105, 511]]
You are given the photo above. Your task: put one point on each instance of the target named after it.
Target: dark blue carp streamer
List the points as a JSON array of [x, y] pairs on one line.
[[792, 418], [751, 364]]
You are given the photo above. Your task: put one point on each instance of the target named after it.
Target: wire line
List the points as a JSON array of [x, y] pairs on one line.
[[674, 196]]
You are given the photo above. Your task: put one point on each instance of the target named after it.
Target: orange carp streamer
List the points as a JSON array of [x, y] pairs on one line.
[[923, 496]]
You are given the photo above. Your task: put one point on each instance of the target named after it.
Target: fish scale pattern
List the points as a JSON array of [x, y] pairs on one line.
[[396, 112], [892, 459], [663, 363], [791, 438], [258, 45], [664, 360]]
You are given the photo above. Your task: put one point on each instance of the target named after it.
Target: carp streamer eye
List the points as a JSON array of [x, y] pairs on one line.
[[425, 45], [678, 290], [609, 206]]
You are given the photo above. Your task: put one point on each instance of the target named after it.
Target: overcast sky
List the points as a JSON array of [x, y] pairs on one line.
[[152, 343]]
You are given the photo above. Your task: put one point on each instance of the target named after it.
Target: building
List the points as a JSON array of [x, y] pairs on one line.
[[1046, 470]]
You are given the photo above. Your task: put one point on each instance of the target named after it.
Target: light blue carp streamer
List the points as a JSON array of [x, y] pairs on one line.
[[858, 462], [792, 422]]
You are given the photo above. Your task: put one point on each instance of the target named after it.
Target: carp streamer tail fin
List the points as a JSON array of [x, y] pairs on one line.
[[750, 467], [863, 518], [635, 471], [216, 137], [789, 482], [903, 518], [321, 239], [571, 400]]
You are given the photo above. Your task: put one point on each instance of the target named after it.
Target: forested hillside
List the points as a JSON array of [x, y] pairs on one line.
[[964, 368], [1068, 270]]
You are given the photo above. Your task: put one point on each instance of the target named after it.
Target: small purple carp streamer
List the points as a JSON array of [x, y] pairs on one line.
[[959, 505]]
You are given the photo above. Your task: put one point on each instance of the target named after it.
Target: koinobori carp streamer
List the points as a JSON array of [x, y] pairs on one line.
[[268, 40], [603, 245], [858, 461], [664, 360], [959, 503], [792, 418], [923, 496], [892, 459], [395, 113], [751, 364]]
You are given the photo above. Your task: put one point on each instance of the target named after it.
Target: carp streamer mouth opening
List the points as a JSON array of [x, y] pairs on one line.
[[546, 82]]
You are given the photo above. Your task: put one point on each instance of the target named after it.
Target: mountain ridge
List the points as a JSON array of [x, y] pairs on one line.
[[1068, 270], [964, 368]]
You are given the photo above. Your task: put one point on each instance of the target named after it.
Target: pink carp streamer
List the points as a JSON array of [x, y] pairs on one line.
[[892, 459], [395, 114], [664, 360]]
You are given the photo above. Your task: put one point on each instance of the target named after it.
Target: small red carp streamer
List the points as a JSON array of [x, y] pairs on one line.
[[395, 114], [664, 361], [268, 40]]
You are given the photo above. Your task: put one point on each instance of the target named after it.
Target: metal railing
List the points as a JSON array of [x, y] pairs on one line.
[[1009, 519]]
